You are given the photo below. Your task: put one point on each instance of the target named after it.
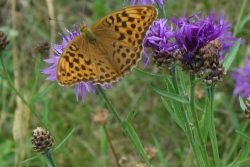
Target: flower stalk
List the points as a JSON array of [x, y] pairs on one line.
[[49, 159], [109, 104], [111, 146], [196, 121], [212, 132]]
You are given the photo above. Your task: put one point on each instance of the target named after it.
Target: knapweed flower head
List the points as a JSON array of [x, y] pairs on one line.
[[204, 43], [241, 76], [160, 3], [194, 32], [199, 44], [160, 38], [81, 88]]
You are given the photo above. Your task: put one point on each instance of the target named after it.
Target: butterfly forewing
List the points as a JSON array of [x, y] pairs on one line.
[[116, 50], [122, 32]]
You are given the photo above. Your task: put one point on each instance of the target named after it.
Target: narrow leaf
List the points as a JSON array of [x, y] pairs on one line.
[[232, 55], [171, 95]]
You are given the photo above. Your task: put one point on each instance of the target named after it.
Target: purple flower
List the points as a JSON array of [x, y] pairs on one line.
[[193, 33], [241, 77], [79, 88], [147, 2], [160, 38]]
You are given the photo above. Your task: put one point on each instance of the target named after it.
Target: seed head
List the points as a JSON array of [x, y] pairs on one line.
[[42, 48], [247, 110], [42, 141], [3, 41]]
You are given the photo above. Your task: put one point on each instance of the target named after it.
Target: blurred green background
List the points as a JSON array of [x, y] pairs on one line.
[[29, 22]]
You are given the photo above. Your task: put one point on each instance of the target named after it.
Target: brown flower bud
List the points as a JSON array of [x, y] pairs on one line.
[[3, 41], [42, 48], [42, 141], [247, 110]]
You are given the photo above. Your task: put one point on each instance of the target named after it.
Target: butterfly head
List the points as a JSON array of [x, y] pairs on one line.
[[83, 28]]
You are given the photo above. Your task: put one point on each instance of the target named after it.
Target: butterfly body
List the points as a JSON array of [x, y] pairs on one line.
[[107, 50], [87, 33]]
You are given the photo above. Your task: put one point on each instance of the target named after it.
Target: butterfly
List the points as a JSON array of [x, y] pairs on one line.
[[108, 49]]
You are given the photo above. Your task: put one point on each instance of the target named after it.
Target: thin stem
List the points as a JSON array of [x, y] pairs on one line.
[[195, 119], [52, 23], [109, 104], [184, 117], [174, 78], [127, 128], [212, 132], [50, 160], [10, 84], [111, 146]]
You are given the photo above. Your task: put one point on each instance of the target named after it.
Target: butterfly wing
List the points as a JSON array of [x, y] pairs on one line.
[[82, 61], [75, 63], [121, 34], [116, 50]]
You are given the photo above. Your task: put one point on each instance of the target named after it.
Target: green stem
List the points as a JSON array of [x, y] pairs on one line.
[[212, 132], [37, 72], [185, 118], [127, 128], [174, 78], [10, 84], [109, 104], [50, 160], [111, 146], [196, 121]]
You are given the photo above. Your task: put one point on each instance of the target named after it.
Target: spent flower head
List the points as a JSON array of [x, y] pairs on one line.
[[241, 76], [42, 47], [3, 41], [42, 141], [247, 110], [81, 88]]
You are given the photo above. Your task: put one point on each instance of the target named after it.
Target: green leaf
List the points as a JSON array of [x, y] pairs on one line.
[[160, 154], [150, 74], [133, 112], [171, 95], [136, 141], [173, 111], [39, 96], [232, 55], [64, 140], [244, 22]]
